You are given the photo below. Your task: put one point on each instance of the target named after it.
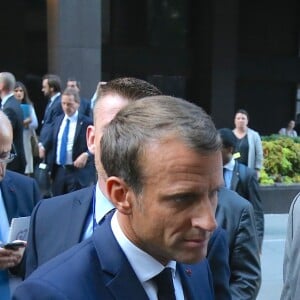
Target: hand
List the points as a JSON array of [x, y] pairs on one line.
[[41, 152], [81, 160], [10, 258]]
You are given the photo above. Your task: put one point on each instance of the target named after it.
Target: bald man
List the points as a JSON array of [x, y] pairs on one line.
[[18, 195]]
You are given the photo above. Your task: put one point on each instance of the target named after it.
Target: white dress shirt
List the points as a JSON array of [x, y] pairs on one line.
[[228, 172], [144, 265], [73, 123], [102, 207]]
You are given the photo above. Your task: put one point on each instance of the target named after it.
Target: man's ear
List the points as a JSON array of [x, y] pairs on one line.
[[119, 194], [90, 138]]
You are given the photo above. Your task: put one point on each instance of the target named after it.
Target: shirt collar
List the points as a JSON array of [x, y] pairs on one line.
[[230, 165], [5, 98], [143, 264], [102, 206], [54, 97], [73, 118]]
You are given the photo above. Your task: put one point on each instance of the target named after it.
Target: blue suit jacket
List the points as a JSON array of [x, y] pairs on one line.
[[51, 113], [98, 269], [20, 194], [14, 112]]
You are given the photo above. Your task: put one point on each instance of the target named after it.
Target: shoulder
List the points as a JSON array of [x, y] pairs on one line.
[[295, 206], [59, 203], [85, 119], [232, 200], [18, 178]]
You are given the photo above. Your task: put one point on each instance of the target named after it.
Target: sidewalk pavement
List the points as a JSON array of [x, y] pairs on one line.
[[272, 256]]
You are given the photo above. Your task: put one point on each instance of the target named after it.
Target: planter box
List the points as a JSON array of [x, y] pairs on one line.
[[276, 199]]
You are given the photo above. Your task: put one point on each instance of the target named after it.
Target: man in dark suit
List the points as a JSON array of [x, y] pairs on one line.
[[66, 220], [51, 87], [73, 169], [85, 104], [235, 214], [242, 179], [72, 215], [11, 107], [163, 170], [18, 195]]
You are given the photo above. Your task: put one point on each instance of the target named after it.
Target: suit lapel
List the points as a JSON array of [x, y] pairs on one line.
[[78, 127], [235, 177], [121, 280], [81, 207], [194, 281]]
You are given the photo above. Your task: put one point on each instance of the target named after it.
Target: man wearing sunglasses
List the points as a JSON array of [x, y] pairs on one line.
[[18, 196]]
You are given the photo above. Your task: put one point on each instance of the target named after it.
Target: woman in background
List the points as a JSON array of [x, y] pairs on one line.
[[248, 148], [30, 123], [289, 130]]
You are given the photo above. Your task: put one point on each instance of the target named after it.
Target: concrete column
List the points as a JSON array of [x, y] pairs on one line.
[[74, 41]]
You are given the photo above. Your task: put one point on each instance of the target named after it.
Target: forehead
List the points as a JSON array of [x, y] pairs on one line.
[[171, 162], [106, 108], [5, 141], [241, 115], [71, 83], [45, 81], [68, 98]]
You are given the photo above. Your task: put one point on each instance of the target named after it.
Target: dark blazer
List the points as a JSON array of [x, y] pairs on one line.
[[56, 225], [84, 175], [20, 194], [218, 257], [85, 107], [51, 112], [236, 216], [14, 112], [98, 269], [244, 182]]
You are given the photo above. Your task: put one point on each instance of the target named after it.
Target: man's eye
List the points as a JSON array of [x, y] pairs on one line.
[[183, 198]]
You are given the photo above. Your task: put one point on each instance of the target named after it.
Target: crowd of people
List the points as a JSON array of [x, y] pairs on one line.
[[140, 205]]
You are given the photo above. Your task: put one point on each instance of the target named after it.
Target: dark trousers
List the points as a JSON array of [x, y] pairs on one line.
[[65, 180]]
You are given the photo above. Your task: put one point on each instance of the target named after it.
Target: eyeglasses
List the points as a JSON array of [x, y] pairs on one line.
[[8, 157]]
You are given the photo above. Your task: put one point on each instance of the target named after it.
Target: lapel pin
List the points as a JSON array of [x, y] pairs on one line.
[[188, 271]]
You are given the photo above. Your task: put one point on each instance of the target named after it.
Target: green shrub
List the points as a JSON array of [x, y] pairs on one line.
[[281, 160]]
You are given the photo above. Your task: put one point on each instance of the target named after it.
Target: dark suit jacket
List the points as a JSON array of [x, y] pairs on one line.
[[85, 107], [84, 175], [56, 225], [20, 194], [218, 257], [14, 112], [67, 214], [236, 216], [244, 182], [51, 113], [98, 269]]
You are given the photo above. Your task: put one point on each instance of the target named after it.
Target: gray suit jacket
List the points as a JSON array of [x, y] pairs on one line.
[[291, 261]]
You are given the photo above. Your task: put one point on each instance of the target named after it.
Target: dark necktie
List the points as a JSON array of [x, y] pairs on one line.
[[165, 287], [64, 142]]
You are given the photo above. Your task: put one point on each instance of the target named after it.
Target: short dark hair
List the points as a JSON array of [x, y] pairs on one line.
[[228, 138], [53, 82], [129, 88], [72, 92], [242, 111], [138, 124]]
